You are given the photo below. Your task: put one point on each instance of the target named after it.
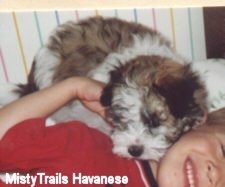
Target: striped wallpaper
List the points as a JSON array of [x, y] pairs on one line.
[[23, 33]]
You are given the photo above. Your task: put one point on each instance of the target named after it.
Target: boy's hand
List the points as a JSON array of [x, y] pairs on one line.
[[89, 91]]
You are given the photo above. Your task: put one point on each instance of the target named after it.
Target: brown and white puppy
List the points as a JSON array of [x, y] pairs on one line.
[[152, 95]]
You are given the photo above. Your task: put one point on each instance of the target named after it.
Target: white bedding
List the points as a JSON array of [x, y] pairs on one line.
[[212, 72]]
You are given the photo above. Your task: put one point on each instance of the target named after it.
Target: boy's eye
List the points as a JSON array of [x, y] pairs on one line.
[[222, 147]]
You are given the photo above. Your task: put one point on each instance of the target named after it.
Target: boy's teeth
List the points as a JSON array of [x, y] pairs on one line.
[[189, 172]]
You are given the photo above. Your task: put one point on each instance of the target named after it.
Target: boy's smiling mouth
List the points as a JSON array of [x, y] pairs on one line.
[[190, 173]]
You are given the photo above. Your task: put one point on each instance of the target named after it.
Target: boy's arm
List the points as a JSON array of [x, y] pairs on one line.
[[45, 102]]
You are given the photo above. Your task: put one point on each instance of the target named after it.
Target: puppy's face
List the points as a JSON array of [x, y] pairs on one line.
[[151, 101]]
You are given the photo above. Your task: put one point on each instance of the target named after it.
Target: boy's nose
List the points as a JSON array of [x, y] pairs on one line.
[[213, 173]]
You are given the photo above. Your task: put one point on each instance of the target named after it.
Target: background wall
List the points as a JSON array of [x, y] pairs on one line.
[[23, 33]]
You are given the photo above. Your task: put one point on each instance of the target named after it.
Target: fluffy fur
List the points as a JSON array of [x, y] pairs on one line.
[[152, 95]]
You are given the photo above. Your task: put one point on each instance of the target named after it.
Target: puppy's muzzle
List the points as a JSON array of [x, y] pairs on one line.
[[135, 150]]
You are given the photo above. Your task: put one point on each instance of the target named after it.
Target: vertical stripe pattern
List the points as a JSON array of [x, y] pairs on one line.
[[57, 17], [3, 66], [173, 28], [77, 15], [96, 13], [20, 43], [191, 33], [38, 29], [154, 19], [163, 20], [135, 15]]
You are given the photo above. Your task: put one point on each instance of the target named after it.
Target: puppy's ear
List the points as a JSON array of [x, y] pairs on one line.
[[180, 94], [107, 94], [106, 97]]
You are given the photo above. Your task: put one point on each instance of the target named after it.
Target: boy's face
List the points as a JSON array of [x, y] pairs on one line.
[[196, 160]]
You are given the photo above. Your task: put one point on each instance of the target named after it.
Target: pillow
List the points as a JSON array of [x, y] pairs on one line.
[[212, 72]]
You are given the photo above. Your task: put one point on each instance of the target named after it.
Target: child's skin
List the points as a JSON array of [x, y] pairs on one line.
[[47, 101]]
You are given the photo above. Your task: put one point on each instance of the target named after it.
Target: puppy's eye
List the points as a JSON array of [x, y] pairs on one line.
[[116, 118], [121, 127], [150, 121]]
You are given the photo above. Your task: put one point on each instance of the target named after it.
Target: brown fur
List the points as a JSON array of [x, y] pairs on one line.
[[174, 91], [90, 41], [30, 86]]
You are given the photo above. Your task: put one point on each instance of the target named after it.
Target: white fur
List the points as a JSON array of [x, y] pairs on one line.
[[136, 134], [130, 98], [147, 45], [76, 111], [46, 62]]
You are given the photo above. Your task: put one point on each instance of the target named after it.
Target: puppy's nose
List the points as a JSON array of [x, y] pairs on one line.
[[135, 150]]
